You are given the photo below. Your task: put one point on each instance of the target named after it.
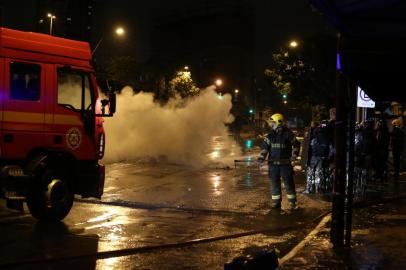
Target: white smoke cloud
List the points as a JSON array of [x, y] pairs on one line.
[[180, 133]]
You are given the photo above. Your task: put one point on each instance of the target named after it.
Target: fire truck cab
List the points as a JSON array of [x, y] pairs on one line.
[[51, 126]]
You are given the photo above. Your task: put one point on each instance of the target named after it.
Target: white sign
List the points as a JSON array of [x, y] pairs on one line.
[[363, 100]]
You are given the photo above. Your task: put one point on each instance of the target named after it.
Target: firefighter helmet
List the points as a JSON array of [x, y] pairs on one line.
[[276, 118], [396, 123]]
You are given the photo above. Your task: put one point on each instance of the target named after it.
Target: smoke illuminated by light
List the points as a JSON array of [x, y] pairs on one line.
[[179, 132], [215, 154]]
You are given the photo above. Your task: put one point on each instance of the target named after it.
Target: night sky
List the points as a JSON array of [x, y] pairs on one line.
[[275, 20], [270, 25]]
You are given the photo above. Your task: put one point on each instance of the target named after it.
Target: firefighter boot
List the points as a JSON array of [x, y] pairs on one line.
[[276, 205], [293, 206]]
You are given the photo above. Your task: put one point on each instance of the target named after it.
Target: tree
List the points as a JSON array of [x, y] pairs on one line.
[[123, 69], [182, 84], [305, 73], [284, 69], [319, 113]]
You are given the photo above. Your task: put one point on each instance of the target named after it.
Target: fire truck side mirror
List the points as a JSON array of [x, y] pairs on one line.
[[111, 103]]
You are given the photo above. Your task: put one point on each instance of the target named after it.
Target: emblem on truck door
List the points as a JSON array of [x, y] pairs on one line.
[[73, 138]]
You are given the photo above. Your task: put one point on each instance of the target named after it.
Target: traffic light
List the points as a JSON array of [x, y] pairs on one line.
[[285, 98], [251, 111]]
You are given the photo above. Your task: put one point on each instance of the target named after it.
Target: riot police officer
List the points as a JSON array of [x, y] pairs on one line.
[[321, 149], [368, 146], [382, 150], [280, 145], [397, 145]]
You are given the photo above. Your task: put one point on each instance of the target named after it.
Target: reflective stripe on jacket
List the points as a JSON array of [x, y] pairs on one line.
[[280, 144]]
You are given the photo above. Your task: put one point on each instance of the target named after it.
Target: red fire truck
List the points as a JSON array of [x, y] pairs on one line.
[[51, 126]]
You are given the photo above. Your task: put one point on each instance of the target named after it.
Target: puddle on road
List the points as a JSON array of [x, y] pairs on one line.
[[216, 182], [102, 217]]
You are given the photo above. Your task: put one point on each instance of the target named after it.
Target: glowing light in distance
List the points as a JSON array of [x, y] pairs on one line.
[[120, 31]]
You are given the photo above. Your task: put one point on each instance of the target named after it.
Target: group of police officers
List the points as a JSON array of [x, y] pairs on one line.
[[280, 147]]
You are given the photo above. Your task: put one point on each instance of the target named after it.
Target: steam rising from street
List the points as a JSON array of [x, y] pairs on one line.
[[180, 132]]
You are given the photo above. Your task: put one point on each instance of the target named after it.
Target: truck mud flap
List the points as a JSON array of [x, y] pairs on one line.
[[92, 182]]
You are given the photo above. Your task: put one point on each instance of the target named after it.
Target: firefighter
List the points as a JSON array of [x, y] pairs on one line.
[[397, 144], [318, 174], [281, 146]]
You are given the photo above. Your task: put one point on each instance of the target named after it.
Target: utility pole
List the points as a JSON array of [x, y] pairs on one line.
[[340, 134], [341, 222], [51, 18], [352, 97]]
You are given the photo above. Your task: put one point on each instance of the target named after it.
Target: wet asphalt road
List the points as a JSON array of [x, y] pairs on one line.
[[148, 205]]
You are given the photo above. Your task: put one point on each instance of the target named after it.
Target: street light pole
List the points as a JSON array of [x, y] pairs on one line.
[[119, 32], [52, 18], [218, 83], [97, 45]]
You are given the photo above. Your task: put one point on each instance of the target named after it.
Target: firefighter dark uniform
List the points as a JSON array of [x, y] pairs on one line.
[[278, 145]]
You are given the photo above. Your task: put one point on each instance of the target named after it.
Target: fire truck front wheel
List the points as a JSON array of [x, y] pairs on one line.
[[50, 196]]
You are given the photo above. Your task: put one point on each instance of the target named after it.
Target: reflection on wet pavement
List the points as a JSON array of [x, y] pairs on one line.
[[155, 203]]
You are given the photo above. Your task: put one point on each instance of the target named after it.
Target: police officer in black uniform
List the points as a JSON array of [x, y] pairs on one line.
[[382, 151], [321, 148], [397, 145], [368, 146], [279, 145]]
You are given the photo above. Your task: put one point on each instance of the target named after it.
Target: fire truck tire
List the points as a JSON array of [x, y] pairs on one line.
[[50, 196]]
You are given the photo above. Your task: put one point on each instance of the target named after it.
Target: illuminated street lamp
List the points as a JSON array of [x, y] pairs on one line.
[[51, 18], [119, 32], [236, 92], [219, 82], [293, 44], [185, 73]]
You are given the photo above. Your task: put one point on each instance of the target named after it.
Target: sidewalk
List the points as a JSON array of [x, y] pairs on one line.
[[378, 237]]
